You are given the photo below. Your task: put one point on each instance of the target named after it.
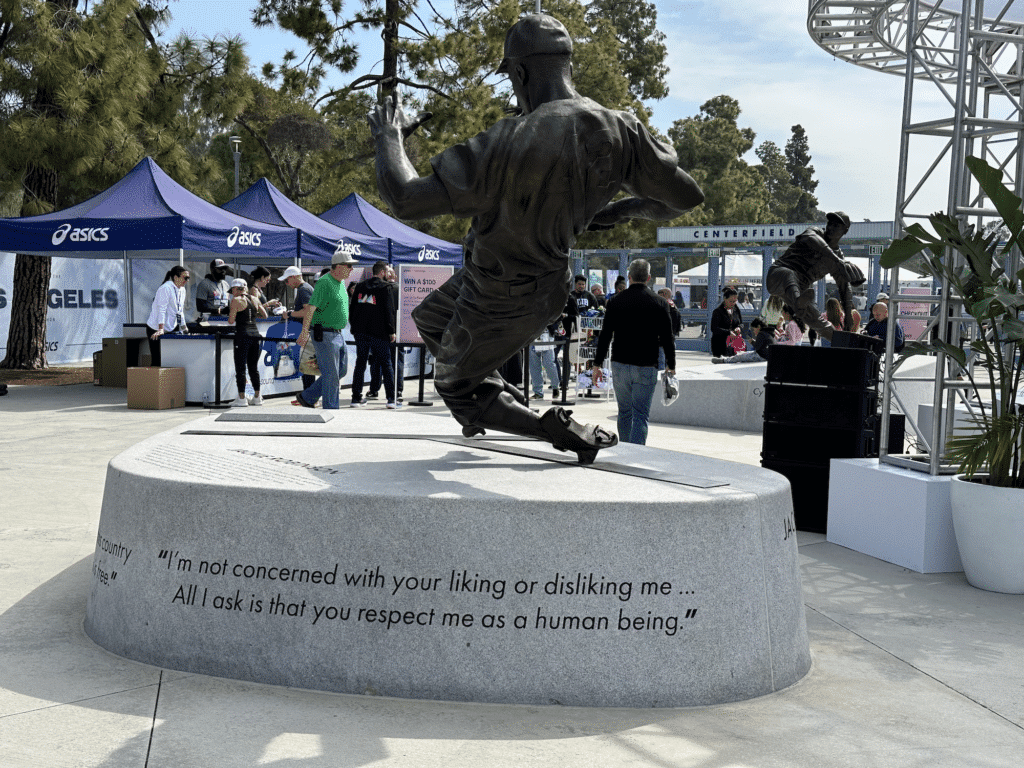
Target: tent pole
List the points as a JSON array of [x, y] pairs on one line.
[[129, 295]]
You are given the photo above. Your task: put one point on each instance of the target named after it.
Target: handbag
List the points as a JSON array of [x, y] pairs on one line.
[[285, 364], [307, 361]]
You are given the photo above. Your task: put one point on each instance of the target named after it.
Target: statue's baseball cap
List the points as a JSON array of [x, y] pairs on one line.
[[839, 216], [534, 35]]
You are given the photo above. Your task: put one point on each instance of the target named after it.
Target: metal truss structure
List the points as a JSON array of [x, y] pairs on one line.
[[962, 62]]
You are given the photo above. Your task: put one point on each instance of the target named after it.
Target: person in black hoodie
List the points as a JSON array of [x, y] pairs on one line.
[[372, 317]]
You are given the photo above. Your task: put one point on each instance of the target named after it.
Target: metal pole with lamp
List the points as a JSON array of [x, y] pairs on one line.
[[236, 150]]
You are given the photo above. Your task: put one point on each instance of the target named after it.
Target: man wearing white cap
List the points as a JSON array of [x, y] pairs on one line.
[[532, 183], [292, 278], [327, 313]]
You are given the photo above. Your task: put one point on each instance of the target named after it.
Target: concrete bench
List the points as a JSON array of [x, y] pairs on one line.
[[725, 396]]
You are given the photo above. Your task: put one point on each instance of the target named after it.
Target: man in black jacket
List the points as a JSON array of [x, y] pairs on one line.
[[636, 325], [372, 319]]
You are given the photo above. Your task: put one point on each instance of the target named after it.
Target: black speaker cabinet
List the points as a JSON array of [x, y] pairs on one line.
[[848, 340], [897, 433], [816, 444], [809, 485], [820, 406], [854, 368]]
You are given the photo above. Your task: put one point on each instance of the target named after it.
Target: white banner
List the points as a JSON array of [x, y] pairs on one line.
[[86, 302]]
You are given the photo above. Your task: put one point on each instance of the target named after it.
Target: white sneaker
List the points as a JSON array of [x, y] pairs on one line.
[[239, 403], [394, 406], [256, 400]]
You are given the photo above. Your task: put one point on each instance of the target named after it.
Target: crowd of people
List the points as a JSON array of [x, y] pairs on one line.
[[368, 308], [632, 338], [779, 323]]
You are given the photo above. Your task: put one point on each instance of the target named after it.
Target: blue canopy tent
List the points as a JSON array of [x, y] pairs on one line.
[[148, 215], [407, 245], [318, 238]]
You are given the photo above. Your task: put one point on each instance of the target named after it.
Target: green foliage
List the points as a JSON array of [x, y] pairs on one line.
[[711, 146], [801, 172], [84, 97], [972, 263], [783, 196], [642, 52]]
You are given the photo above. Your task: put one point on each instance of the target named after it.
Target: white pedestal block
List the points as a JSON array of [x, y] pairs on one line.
[[897, 515]]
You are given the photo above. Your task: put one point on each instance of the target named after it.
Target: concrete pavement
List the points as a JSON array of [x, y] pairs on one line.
[[908, 669]]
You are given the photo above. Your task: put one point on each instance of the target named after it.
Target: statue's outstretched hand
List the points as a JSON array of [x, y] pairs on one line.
[[606, 218], [390, 113], [853, 274]]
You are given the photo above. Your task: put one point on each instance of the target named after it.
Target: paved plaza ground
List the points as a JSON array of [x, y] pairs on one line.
[[908, 669]]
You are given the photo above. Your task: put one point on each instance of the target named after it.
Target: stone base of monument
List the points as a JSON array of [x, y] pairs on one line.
[[380, 553]]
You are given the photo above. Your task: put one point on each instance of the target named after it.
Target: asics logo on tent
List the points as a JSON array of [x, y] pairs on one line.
[[243, 237], [350, 248], [428, 254], [79, 234]]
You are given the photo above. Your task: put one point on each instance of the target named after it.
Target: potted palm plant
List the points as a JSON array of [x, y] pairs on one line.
[[987, 496]]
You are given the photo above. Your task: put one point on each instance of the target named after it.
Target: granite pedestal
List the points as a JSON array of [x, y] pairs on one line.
[[381, 553]]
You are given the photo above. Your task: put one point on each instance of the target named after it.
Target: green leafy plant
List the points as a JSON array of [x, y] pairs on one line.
[[994, 441]]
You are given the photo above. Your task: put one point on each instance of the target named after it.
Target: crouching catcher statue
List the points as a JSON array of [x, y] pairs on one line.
[[532, 184], [813, 255]]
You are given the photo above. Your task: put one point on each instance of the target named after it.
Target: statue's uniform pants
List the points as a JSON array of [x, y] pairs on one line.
[[784, 282], [472, 325]]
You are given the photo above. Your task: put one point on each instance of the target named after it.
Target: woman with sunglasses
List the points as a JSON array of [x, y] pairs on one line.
[[167, 314], [243, 311]]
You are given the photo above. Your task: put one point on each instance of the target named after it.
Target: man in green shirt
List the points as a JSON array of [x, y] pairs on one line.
[[328, 308]]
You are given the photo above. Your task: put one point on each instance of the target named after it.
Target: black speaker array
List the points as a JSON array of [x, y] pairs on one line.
[[820, 404]]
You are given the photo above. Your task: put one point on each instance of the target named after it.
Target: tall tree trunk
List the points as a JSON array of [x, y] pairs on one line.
[[26, 337], [389, 81]]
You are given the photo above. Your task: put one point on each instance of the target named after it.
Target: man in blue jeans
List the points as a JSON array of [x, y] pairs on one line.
[[542, 358], [636, 325], [328, 309]]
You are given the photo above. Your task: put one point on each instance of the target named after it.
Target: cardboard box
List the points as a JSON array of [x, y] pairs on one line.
[[156, 388], [97, 369], [118, 356]]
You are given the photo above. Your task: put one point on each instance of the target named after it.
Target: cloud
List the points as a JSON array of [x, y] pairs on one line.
[[762, 56]]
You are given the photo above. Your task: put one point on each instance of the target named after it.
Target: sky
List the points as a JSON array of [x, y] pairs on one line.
[[759, 53]]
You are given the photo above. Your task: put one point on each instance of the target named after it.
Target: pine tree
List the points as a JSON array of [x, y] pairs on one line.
[[781, 194], [84, 95], [642, 49], [801, 172]]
